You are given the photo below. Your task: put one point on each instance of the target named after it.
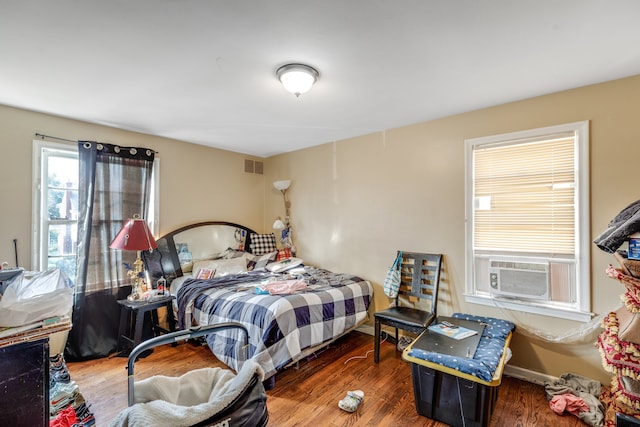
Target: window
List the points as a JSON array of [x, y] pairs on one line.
[[527, 230], [55, 207]]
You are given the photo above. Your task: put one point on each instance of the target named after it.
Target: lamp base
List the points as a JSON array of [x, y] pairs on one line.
[[137, 281], [136, 294]]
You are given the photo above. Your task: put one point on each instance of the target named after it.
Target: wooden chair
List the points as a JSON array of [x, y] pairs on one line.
[[420, 278]]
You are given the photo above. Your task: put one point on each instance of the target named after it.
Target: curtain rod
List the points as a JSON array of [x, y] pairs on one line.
[[65, 139], [54, 137]]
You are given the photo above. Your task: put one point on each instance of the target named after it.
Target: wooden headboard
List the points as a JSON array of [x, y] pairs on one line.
[[193, 242]]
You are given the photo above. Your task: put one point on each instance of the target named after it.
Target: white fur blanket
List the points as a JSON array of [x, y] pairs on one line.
[[185, 400]]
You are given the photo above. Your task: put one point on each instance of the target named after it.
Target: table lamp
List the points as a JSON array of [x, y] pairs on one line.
[[135, 236]]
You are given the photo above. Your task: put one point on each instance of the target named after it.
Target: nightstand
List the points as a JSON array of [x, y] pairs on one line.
[[132, 316]]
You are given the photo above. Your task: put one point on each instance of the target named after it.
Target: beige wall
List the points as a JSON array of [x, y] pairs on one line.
[[197, 183], [355, 202]]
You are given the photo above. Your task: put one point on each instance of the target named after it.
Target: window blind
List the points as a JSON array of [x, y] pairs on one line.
[[524, 195]]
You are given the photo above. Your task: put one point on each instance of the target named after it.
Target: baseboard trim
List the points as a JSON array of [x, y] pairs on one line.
[[528, 375], [366, 329]]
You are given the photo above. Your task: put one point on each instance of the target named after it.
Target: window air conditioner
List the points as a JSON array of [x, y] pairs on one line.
[[518, 279]]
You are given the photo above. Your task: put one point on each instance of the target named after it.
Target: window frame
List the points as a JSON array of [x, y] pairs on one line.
[[39, 245], [580, 310]]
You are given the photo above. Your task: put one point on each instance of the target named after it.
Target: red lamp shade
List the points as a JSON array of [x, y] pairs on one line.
[[134, 236]]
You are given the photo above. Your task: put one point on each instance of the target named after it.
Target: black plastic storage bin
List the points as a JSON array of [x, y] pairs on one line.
[[624, 420], [449, 399]]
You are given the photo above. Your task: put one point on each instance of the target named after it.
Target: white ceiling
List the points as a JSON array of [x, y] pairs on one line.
[[203, 71]]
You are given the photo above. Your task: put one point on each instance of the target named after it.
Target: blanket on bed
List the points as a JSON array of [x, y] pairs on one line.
[[280, 327], [192, 288]]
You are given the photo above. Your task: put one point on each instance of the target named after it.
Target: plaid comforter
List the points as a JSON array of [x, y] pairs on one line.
[[280, 327]]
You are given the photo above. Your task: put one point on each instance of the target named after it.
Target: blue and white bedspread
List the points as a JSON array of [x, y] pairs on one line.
[[487, 356], [280, 327]]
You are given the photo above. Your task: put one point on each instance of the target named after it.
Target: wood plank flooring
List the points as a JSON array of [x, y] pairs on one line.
[[308, 394]]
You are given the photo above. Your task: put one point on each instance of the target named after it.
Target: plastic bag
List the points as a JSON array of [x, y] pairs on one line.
[[392, 280], [34, 296]]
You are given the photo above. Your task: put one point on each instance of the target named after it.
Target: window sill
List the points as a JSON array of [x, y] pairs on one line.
[[510, 304]]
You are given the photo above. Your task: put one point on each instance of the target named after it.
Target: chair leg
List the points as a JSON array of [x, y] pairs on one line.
[[376, 343], [396, 339]]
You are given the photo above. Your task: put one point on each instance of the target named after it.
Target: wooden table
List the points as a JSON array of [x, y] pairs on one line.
[[137, 310]]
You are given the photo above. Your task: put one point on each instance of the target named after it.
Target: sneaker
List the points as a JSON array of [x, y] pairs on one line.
[[62, 391], [58, 372], [403, 343], [351, 401]]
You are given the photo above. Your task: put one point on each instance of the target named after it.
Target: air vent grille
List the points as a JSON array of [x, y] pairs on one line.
[[259, 167], [253, 166]]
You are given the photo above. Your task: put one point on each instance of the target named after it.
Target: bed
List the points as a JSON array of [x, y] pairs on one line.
[[225, 272]]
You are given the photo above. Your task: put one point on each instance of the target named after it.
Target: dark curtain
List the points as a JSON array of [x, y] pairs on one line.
[[115, 184]]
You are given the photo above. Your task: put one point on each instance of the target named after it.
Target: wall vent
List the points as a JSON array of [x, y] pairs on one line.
[[253, 166], [259, 167]]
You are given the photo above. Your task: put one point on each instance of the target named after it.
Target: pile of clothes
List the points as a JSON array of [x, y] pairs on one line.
[[578, 396], [67, 405], [618, 230], [619, 343]]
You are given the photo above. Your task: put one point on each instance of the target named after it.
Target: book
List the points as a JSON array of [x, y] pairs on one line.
[[452, 331], [206, 273]]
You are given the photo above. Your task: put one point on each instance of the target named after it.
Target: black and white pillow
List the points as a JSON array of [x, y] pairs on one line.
[[262, 243]]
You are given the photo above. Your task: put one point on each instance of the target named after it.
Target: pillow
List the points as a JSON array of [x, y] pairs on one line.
[[187, 267], [215, 255], [284, 254], [262, 243], [222, 266], [231, 266], [258, 262], [232, 253]]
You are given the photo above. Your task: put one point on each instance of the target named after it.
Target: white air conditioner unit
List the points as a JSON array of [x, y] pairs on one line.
[[519, 279]]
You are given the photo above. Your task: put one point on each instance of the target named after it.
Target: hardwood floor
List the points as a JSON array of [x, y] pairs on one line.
[[308, 394]]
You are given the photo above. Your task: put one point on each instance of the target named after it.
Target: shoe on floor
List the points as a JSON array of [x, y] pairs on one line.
[[351, 401], [403, 343]]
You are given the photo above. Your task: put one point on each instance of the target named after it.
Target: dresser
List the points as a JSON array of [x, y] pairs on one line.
[[24, 384]]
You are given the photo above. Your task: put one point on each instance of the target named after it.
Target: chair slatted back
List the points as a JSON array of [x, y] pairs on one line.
[[420, 277]]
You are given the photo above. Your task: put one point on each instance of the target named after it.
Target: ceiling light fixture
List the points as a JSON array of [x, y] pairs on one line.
[[297, 78]]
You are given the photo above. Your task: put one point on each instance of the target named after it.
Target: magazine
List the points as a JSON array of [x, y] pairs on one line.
[[452, 331]]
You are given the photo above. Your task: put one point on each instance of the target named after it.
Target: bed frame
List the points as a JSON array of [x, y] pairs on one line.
[[193, 241]]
